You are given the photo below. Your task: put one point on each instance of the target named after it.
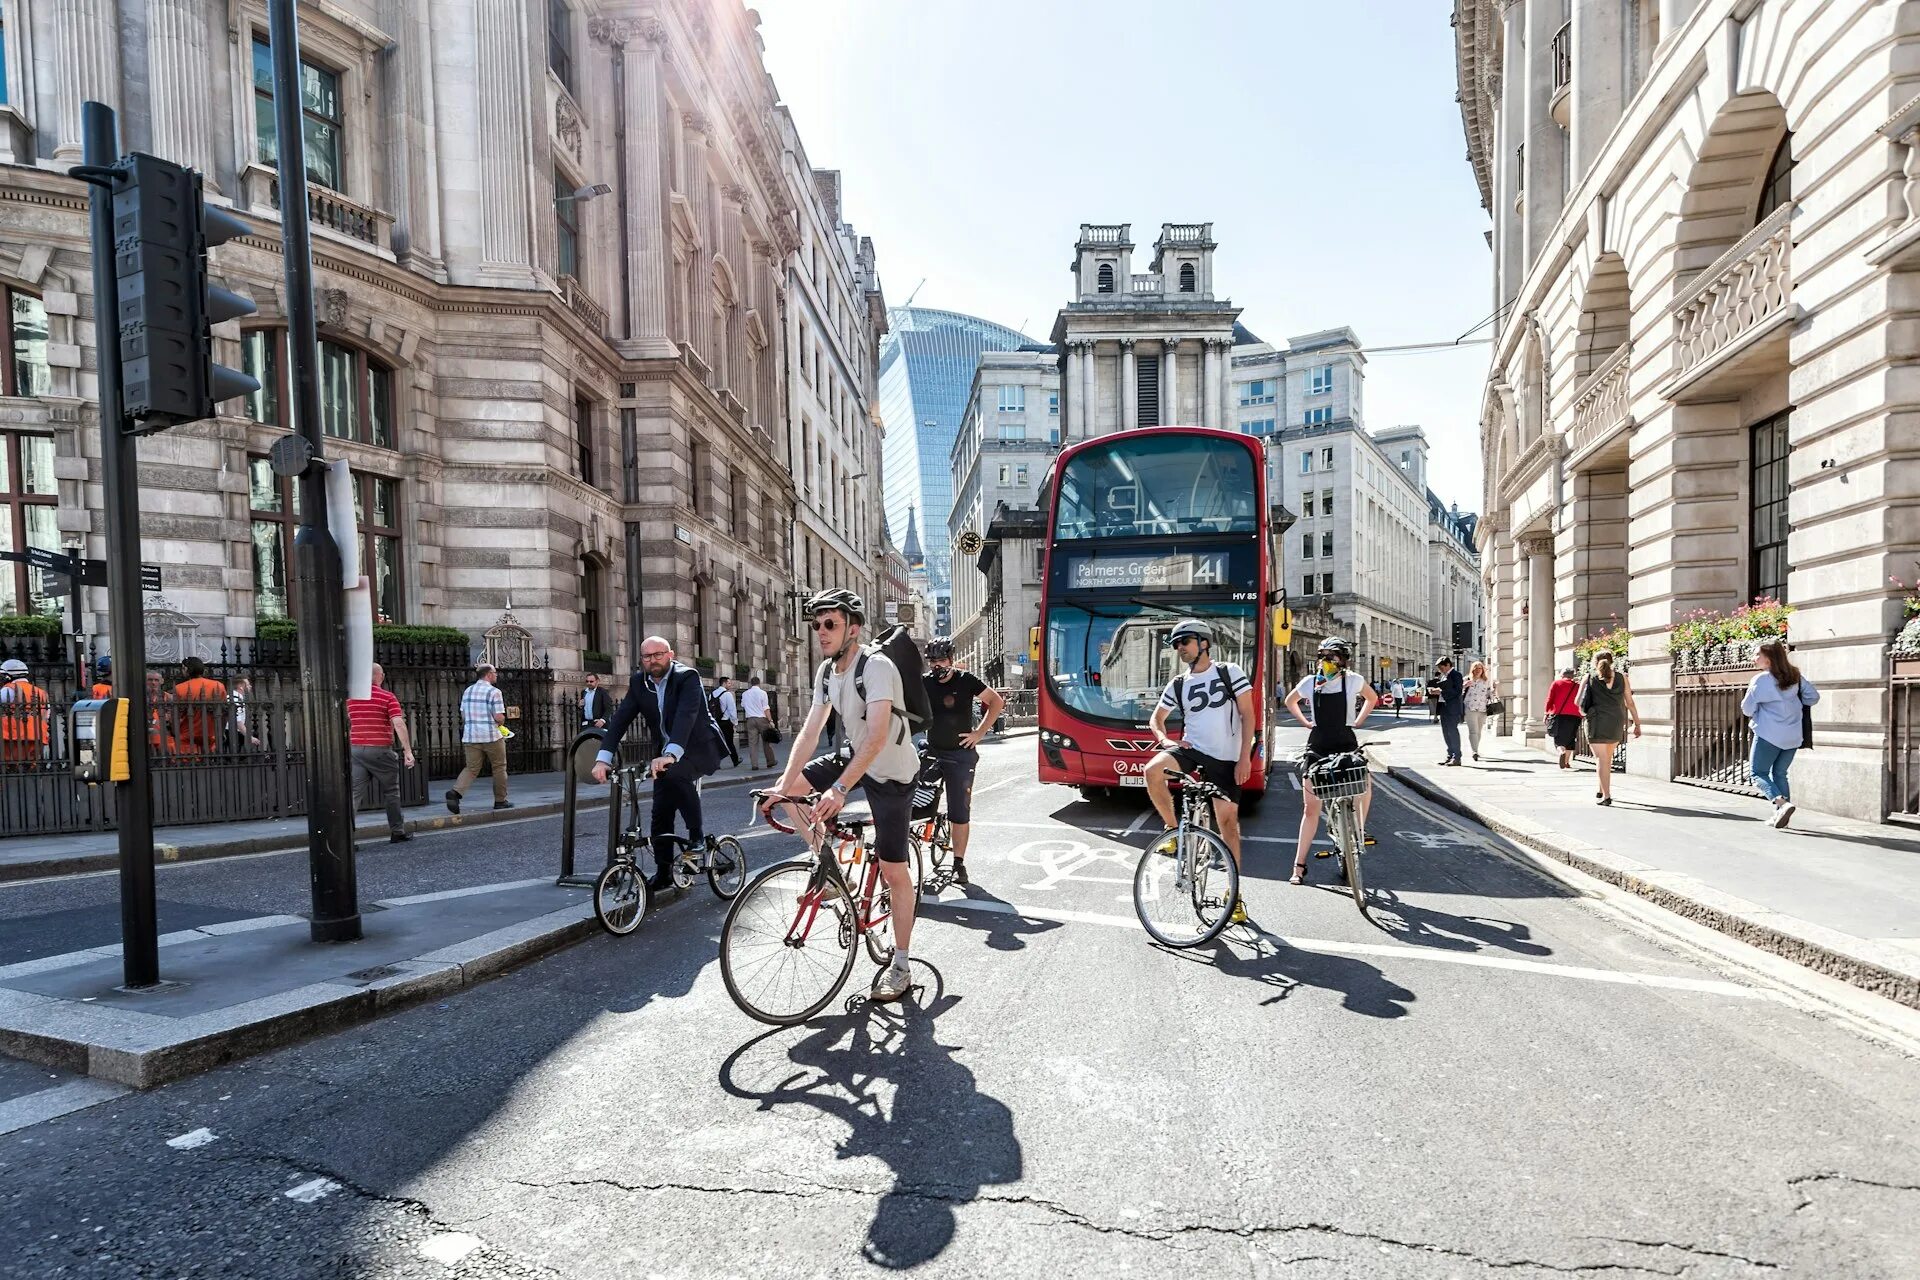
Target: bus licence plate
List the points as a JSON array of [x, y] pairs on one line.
[[1133, 779]]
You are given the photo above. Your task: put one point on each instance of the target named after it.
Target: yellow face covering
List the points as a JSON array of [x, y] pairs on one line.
[[1329, 667]]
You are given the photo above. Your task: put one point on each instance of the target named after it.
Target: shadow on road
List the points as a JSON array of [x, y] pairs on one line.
[[1005, 930], [1444, 931], [1245, 952], [905, 1100]]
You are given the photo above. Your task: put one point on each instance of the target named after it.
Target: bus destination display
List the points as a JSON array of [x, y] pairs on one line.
[[1148, 571]]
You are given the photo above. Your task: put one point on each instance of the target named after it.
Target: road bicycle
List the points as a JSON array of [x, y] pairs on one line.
[[1187, 881], [621, 896], [1339, 780], [789, 941]]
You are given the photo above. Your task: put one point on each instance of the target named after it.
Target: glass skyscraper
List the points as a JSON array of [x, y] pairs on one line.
[[927, 362]]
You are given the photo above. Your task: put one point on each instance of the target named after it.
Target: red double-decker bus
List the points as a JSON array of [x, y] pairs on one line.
[[1147, 527]]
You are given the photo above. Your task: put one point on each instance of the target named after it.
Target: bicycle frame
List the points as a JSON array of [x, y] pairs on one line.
[[826, 868]]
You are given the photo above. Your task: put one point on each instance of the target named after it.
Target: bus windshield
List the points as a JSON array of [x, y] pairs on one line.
[[1156, 485], [1108, 661]]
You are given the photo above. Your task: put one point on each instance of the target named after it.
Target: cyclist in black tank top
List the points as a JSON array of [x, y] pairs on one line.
[[1338, 699]]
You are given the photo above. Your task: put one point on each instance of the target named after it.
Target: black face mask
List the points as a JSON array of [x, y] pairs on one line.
[[944, 673]]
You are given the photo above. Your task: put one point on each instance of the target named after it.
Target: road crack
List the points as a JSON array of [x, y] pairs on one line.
[[1834, 1175], [961, 1194]]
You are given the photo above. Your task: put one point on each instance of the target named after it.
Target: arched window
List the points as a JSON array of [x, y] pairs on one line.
[[356, 390], [1775, 191], [1186, 277], [1106, 277]]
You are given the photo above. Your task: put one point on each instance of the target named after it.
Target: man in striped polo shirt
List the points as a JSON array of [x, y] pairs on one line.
[[372, 725]]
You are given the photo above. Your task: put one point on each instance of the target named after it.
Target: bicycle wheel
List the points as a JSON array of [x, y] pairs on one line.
[[1184, 887], [621, 897], [1344, 827], [727, 868], [787, 945]]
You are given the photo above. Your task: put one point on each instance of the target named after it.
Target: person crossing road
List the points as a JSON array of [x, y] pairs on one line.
[[953, 739]]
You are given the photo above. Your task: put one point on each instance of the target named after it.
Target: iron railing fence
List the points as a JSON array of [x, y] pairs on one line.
[[239, 759], [1903, 737], [1712, 740]]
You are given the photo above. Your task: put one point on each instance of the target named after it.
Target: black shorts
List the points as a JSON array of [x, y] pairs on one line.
[[1218, 772], [956, 770], [891, 802]]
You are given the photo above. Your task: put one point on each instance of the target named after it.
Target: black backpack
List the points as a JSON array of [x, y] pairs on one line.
[[897, 646]]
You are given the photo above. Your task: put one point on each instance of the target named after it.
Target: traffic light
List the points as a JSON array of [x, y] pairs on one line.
[[162, 229]]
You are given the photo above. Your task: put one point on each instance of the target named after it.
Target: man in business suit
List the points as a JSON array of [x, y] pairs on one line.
[[687, 744], [1452, 707], [595, 705]]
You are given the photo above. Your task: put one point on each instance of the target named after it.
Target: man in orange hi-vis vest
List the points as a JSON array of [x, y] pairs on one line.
[[203, 709], [23, 714]]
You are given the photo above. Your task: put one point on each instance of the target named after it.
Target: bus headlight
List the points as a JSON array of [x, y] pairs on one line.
[[1059, 741]]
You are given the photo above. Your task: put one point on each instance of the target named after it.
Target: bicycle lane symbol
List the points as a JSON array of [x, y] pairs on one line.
[[1060, 861]]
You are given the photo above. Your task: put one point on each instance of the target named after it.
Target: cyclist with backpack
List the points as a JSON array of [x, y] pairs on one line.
[[1215, 700], [953, 738], [875, 700]]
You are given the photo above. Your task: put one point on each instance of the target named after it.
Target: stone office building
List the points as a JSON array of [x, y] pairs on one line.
[[551, 242], [1705, 228]]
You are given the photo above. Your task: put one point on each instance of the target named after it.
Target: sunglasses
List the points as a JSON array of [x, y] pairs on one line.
[[824, 624], [657, 653]]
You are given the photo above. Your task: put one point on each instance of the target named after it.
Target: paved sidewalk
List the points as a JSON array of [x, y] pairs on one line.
[[533, 795], [239, 987], [1838, 896]]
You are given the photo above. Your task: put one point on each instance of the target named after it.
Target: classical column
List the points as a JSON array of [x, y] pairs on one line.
[[1087, 363], [1599, 78], [180, 83], [699, 197], [1209, 384], [414, 150], [1129, 388], [1076, 411], [637, 51], [86, 58], [1226, 384], [1170, 384], [506, 181], [1539, 552]]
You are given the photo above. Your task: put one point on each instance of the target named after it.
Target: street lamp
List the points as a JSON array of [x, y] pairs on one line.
[[588, 192]]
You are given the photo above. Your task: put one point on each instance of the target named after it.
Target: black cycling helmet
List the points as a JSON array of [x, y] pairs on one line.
[[939, 648], [1336, 646], [1190, 627], [839, 598]]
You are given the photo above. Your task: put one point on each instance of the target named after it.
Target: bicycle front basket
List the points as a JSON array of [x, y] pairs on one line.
[[1336, 776]]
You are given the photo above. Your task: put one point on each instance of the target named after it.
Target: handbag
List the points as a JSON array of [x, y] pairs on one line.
[[1585, 698], [1806, 720], [772, 734], [1495, 707]]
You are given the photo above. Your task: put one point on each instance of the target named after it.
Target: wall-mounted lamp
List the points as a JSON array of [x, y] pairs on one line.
[[588, 192]]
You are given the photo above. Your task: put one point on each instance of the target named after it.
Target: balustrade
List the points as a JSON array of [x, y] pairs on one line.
[[1745, 287], [1601, 404]]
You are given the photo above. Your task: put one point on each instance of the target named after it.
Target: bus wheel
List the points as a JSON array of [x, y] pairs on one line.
[[1094, 795]]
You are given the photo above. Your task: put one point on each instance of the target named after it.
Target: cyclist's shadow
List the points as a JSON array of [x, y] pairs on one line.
[[1444, 931], [836, 1066], [1244, 953], [1005, 930]]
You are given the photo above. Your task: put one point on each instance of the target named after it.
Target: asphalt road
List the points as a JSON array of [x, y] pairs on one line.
[[1492, 1077]]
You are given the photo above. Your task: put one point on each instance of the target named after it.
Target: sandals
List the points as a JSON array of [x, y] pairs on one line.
[[1299, 873]]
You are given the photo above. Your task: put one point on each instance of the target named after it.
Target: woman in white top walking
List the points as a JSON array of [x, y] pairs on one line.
[[1776, 702], [1479, 693]]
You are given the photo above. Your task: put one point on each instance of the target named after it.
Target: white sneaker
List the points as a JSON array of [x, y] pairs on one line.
[[890, 984], [1783, 814]]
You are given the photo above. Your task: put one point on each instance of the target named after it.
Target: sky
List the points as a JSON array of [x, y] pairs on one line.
[[1321, 140]]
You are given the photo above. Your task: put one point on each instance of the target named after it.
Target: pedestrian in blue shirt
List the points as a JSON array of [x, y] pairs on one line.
[[1777, 701]]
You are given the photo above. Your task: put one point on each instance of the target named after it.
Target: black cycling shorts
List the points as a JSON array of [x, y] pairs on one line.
[[1213, 770], [956, 769], [891, 802]]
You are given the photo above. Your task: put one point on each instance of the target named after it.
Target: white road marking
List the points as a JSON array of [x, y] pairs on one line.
[[972, 904], [1139, 822], [1293, 780], [60, 1100], [995, 786], [468, 892], [449, 1247], [188, 1141], [308, 1192]]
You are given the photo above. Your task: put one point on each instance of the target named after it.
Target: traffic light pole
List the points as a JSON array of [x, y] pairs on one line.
[[316, 560], [132, 799]]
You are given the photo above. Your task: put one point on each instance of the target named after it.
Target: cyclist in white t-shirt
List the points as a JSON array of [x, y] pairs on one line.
[[1215, 700], [1338, 700]]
